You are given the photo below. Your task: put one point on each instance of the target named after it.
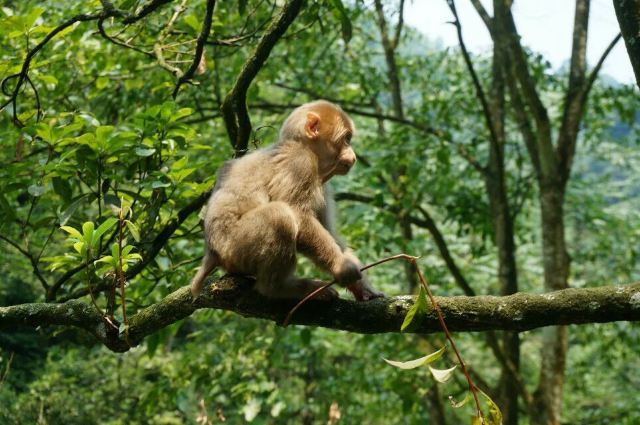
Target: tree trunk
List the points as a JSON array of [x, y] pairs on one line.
[[628, 13], [548, 396], [496, 188]]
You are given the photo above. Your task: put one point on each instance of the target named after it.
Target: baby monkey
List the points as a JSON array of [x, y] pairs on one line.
[[271, 204]]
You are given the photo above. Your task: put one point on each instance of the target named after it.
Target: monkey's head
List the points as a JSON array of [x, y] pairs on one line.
[[327, 130]]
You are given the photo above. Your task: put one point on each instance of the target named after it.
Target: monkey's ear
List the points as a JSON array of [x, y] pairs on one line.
[[312, 126]]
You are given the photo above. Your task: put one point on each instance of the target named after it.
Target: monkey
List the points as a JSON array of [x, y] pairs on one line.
[[273, 203]]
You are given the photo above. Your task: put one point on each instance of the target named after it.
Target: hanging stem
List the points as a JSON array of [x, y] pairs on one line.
[[411, 259]]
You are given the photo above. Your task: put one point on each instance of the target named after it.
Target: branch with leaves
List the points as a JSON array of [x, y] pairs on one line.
[[22, 77]]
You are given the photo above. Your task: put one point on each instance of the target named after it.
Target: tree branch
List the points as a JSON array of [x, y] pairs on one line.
[[518, 312], [399, 25], [486, 111], [198, 56], [628, 14], [575, 98], [484, 15], [234, 105]]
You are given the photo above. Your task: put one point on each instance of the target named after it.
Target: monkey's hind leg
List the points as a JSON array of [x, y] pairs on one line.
[[209, 262]]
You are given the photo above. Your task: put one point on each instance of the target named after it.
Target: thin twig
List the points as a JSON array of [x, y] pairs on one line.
[[198, 56], [7, 368], [287, 319], [443, 325]]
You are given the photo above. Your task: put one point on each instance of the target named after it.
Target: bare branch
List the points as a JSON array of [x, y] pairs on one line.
[[596, 69], [148, 9], [198, 56], [474, 76], [484, 15], [399, 25], [575, 98]]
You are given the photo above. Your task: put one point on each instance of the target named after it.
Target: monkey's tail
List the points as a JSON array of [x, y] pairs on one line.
[[209, 262]]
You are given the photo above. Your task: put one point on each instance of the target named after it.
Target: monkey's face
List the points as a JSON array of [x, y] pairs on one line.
[[346, 157], [329, 137]]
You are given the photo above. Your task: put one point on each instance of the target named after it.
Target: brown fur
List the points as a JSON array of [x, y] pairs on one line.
[[271, 204]]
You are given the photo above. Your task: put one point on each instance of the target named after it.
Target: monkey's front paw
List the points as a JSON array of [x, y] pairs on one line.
[[347, 272], [364, 292]]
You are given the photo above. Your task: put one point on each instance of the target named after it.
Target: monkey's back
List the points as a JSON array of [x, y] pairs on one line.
[[284, 172]]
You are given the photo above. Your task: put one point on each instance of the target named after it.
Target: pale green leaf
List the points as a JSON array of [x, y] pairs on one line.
[[412, 364], [144, 152], [106, 259], [36, 190], [72, 231], [79, 247], [442, 375], [251, 409], [133, 229], [458, 404]]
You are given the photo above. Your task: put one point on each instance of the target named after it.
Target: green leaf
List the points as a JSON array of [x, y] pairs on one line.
[[36, 190], [144, 152], [103, 132], [80, 247], [102, 82], [133, 229], [106, 259], [180, 113], [495, 415], [31, 18], [87, 232], [104, 227], [158, 184], [62, 188], [442, 375], [72, 231], [251, 409], [127, 4], [49, 79], [9, 213], [115, 250], [420, 305], [412, 364], [68, 213], [193, 22]]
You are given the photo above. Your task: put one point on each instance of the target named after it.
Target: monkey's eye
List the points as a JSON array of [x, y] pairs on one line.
[[347, 139]]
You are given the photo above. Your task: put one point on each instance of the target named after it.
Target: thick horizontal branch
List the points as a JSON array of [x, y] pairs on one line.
[[518, 312]]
